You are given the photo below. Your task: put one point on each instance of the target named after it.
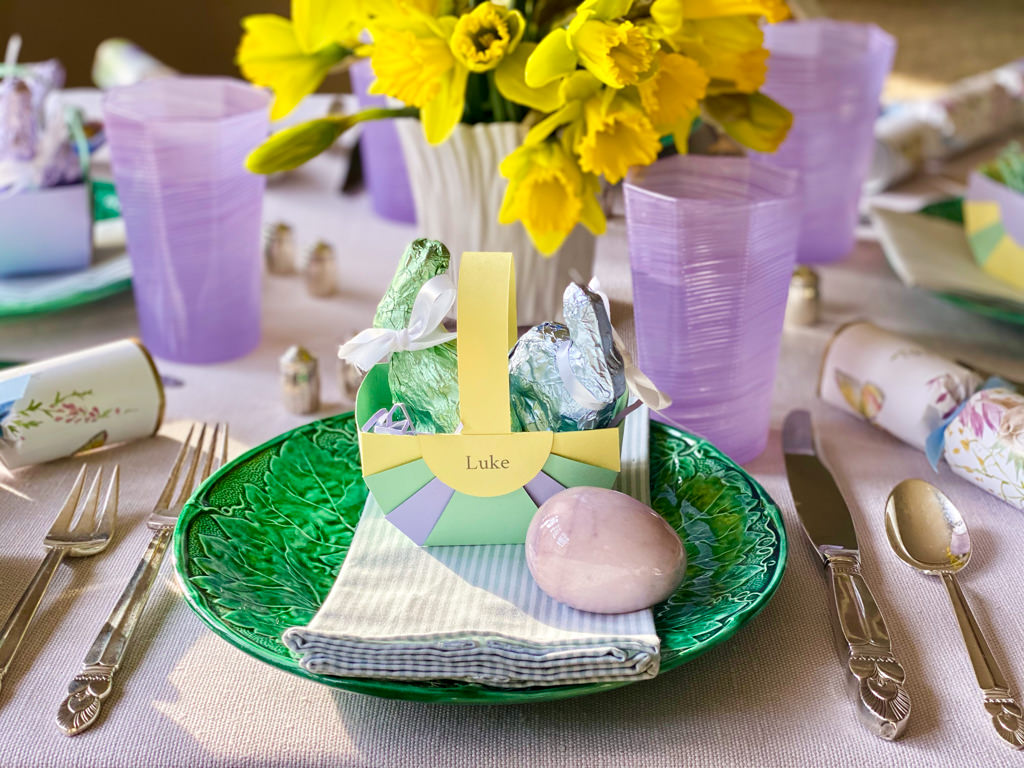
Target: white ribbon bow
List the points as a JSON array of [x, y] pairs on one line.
[[376, 345], [636, 380]]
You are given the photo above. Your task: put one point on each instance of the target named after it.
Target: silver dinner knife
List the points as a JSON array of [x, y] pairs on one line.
[[875, 676]]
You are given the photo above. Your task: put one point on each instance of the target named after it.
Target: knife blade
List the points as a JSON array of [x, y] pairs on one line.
[[876, 678]]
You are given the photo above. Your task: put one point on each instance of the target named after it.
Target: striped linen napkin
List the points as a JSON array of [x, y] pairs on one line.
[[471, 613]]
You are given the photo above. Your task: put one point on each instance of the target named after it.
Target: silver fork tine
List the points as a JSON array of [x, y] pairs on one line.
[[87, 518], [224, 448], [186, 485], [62, 523], [208, 464], [105, 525], [168, 492]]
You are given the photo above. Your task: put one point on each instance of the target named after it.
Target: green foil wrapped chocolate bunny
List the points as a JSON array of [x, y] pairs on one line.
[[425, 380]]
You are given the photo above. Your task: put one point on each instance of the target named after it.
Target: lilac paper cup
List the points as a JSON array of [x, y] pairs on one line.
[[712, 244], [192, 211], [829, 74], [381, 154]]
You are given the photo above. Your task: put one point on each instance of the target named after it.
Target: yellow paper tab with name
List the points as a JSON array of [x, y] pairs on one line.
[[486, 465]]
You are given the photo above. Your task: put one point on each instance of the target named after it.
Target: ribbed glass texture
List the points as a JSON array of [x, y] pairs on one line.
[[712, 244], [192, 211], [829, 74]]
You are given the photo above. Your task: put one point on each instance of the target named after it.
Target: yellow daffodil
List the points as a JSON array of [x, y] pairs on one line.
[[510, 78], [669, 15], [744, 72], [573, 92], [272, 56], [753, 119], [318, 23], [773, 10], [614, 135], [485, 35], [430, 7], [409, 67], [617, 53], [604, 85], [549, 194], [672, 95], [414, 63], [667, 18], [292, 57], [614, 49], [398, 9], [731, 49]]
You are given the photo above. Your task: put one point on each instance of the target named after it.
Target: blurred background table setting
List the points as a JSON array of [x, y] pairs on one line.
[[257, 283]]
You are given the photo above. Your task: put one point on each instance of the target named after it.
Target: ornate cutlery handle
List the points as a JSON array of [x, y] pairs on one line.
[[93, 684], [1006, 713], [15, 627], [876, 677]]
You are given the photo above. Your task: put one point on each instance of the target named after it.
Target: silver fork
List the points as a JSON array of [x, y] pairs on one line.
[[88, 536], [93, 684]]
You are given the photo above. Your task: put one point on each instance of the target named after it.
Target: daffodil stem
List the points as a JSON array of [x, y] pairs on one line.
[[497, 103], [375, 113]]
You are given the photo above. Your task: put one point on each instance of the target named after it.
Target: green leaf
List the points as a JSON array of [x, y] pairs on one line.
[[272, 560]]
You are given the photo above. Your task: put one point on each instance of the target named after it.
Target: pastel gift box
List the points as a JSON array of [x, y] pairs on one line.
[[483, 485], [994, 220], [46, 230]]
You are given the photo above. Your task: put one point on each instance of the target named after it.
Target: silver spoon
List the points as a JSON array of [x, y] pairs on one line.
[[927, 532]]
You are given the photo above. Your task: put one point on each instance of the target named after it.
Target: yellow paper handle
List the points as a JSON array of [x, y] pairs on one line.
[[487, 330]]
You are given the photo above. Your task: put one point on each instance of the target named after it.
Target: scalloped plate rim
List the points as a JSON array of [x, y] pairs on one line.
[[396, 689]]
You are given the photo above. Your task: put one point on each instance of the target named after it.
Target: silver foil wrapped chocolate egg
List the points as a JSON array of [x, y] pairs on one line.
[[567, 377]]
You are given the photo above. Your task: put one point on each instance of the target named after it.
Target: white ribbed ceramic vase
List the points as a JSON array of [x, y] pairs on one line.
[[457, 190]]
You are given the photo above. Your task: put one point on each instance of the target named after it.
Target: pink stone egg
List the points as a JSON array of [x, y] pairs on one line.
[[603, 551]]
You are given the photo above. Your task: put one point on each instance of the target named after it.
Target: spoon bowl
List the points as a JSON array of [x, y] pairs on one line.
[[925, 529]]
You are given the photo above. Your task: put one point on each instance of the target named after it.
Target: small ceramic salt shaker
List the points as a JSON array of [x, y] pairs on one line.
[[300, 380], [321, 271], [803, 305], [279, 249]]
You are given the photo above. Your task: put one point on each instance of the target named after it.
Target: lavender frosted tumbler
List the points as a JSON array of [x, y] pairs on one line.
[[829, 74], [192, 211], [712, 244], [381, 153]]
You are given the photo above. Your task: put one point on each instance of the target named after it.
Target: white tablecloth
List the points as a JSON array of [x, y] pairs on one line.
[[773, 695]]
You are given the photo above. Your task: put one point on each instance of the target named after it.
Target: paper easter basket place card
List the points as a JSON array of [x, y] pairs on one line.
[[484, 484], [994, 221]]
